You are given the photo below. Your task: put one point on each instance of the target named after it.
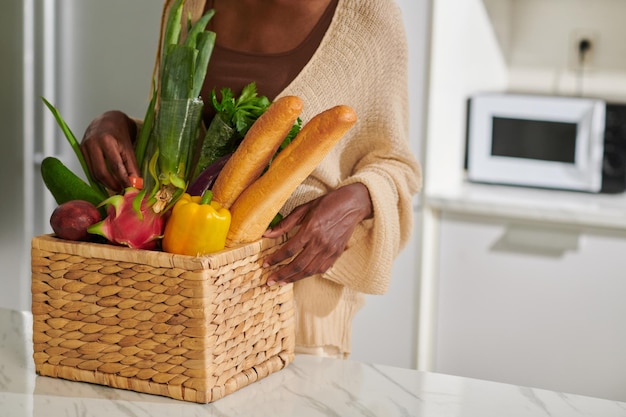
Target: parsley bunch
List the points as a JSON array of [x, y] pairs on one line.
[[240, 112]]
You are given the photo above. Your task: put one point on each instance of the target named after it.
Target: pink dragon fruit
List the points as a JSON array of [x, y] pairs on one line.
[[131, 221]]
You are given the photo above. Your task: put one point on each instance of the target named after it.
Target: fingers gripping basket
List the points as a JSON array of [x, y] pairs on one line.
[[194, 329]]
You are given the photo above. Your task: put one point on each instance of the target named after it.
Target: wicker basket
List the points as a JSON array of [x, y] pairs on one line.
[[193, 329]]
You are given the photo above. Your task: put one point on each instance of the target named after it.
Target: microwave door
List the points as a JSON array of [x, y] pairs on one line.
[[536, 142]]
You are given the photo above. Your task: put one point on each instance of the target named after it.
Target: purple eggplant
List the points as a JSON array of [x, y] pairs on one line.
[[204, 181]]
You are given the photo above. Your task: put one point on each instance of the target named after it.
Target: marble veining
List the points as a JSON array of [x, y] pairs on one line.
[[309, 387]]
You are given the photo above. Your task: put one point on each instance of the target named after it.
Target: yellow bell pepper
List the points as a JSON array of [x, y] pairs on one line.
[[197, 226]]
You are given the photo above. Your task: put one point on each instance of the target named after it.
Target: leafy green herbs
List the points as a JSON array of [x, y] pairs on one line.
[[240, 112], [234, 116]]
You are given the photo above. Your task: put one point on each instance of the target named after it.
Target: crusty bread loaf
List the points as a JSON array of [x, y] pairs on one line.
[[255, 208], [256, 149]]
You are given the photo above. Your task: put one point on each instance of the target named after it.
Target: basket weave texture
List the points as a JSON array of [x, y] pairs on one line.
[[190, 328]]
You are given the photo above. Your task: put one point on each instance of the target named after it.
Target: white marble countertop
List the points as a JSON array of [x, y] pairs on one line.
[[310, 386], [554, 206]]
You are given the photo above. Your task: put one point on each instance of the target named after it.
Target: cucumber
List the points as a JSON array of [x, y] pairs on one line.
[[65, 185]]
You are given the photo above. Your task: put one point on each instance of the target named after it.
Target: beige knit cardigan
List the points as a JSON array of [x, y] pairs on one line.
[[361, 62]]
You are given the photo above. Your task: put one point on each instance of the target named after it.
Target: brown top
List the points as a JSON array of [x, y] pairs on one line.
[[235, 69]]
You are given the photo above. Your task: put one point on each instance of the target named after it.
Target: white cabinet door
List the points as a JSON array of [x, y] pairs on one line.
[[533, 304]]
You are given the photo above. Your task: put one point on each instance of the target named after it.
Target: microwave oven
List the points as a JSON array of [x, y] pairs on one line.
[[556, 142]]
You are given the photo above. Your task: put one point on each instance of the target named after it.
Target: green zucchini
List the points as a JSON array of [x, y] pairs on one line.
[[64, 185]]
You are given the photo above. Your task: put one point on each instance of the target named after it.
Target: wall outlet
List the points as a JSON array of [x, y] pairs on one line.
[[583, 47]]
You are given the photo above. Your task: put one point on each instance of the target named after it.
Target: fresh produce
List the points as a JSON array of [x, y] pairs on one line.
[[197, 226], [171, 126], [257, 149], [253, 156], [207, 177], [254, 209], [175, 130], [234, 117], [71, 139], [240, 112], [71, 219], [63, 184], [136, 182], [223, 138], [166, 140], [130, 221], [66, 186], [168, 134]]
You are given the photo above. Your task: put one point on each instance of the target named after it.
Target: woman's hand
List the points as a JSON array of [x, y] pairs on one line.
[[108, 150], [326, 225]]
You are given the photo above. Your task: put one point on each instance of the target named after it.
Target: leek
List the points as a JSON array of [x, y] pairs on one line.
[[173, 119]]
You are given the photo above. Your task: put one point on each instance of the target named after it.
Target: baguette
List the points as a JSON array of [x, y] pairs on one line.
[[256, 149], [255, 208]]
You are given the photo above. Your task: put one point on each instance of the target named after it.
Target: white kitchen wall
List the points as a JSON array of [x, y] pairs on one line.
[[465, 57], [538, 41]]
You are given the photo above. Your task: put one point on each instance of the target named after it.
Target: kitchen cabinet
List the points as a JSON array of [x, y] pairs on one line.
[[519, 285], [532, 303]]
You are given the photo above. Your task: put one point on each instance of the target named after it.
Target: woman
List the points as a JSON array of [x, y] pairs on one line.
[[355, 211]]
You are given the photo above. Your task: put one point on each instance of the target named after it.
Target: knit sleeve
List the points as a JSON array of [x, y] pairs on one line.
[[365, 58]]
